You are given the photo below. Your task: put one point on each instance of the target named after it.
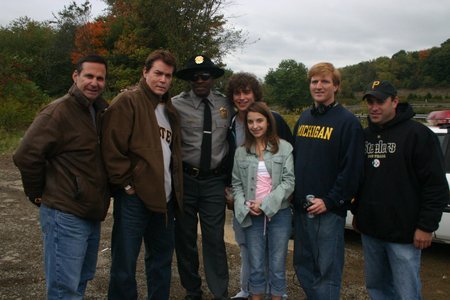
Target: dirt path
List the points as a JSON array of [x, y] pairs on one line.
[[22, 276]]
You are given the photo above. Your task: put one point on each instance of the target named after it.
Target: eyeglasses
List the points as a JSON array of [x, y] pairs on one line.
[[202, 76], [373, 100]]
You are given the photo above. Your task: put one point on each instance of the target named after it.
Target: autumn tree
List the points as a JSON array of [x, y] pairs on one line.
[[89, 39], [183, 27], [66, 23]]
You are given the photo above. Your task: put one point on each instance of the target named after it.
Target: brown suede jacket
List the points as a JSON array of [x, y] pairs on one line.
[[59, 158], [131, 146]]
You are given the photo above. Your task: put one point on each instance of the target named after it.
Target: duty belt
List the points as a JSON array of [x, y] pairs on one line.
[[196, 173]]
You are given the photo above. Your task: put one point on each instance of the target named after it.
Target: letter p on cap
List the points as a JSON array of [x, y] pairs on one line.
[[374, 84]]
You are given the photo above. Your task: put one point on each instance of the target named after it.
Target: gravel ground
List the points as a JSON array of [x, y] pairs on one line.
[[22, 276]]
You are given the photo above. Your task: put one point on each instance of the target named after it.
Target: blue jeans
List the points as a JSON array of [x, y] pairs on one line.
[[392, 269], [239, 236], [133, 222], [70, 252], [319, 254], [268, 238]]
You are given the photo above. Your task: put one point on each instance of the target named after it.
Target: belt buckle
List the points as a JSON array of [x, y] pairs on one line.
[[195, 172]]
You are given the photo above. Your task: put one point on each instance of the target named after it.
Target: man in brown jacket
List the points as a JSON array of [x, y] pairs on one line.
[[62, 172], [141, 147]]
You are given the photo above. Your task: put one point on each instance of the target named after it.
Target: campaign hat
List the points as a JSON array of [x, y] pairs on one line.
[[199, 63]]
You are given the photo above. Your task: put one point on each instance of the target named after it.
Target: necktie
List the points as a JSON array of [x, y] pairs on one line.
[[205, 158]]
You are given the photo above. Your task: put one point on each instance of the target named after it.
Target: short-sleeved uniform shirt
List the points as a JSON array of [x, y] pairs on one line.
[[191, 109]]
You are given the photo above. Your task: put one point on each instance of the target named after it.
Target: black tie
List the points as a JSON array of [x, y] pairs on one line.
[[205, 158]]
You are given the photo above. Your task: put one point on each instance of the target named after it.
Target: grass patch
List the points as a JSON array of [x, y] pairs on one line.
[[9, 140]]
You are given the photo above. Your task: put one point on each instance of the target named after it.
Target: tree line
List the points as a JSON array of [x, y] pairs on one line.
[[37, 58], [430, 68]]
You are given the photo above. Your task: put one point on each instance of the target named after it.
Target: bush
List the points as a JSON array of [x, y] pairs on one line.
[[9, 140], [411, 97], [20, 104]]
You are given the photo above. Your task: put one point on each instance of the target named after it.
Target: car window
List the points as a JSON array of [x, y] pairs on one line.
[[444, 142]]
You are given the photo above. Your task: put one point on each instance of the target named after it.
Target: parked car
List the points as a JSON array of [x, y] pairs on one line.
[[439, 123]]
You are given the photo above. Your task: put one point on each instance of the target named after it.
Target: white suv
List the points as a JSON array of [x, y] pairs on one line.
[[439, 123]]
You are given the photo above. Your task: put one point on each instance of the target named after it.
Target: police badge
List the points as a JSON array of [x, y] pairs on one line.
[[223, 112], [199, 59]]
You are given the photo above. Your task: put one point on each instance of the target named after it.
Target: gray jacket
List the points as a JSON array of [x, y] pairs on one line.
[[281, 169]]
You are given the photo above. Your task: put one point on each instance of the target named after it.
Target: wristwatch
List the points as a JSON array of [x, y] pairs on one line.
[[128, 187], [37, 200]]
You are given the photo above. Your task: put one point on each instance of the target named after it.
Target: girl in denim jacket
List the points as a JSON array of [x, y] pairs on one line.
[[262, 180]]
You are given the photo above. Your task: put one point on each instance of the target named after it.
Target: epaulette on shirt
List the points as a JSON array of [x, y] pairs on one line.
[[182, 95], [216, 92]]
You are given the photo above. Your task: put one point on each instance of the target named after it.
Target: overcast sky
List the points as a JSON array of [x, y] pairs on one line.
[[343, 32]]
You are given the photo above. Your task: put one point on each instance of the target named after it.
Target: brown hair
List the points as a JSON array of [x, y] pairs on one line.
[[325, 68], [271, 135], [242, 81], [93, 58], [163, 55]]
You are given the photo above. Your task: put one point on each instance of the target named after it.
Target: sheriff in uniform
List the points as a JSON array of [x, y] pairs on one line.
[[205, 116]]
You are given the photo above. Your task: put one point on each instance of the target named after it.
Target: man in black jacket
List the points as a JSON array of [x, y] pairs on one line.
[[402, 196]]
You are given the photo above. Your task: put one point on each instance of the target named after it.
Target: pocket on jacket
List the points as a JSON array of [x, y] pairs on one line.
[[278, 159], [243, 164], [78, 187], [222, 123], [85, 190], [277, 164], [192, 123]]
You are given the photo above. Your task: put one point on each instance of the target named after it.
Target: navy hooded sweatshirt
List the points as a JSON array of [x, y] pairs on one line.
[[404, 186]]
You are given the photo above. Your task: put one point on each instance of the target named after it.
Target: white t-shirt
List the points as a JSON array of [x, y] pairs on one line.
[[165, 132]]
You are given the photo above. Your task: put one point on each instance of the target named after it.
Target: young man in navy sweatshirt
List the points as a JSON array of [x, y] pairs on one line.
[[328, 154]]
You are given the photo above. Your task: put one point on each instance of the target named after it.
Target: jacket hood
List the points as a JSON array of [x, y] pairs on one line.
[[403, 113]]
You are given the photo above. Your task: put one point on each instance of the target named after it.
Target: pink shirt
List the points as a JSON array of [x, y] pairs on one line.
[[263, 182]]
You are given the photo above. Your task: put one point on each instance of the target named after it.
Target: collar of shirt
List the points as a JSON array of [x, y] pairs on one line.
[[197, 101]]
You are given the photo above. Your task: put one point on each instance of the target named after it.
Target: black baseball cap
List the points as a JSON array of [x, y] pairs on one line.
[[380, 89]]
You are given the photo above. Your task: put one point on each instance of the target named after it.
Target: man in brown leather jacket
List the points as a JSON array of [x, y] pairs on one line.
[[141, 147], [59, 159]]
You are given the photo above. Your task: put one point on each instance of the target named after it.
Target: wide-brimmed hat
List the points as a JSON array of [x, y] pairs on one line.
[[380, 89], [199, 63]]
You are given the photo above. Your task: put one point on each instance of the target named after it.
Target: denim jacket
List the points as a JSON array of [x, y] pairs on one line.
[[281, 169]]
